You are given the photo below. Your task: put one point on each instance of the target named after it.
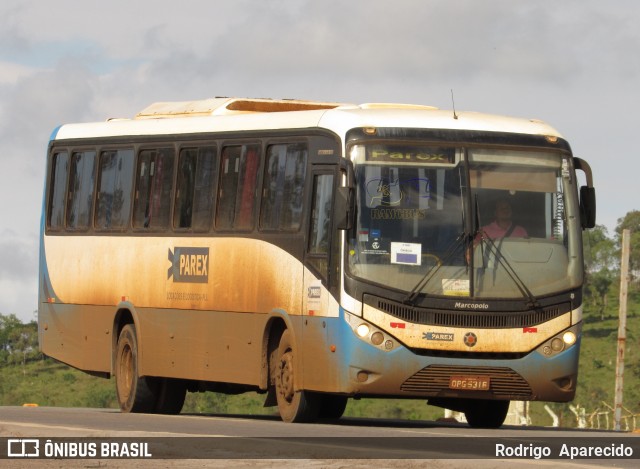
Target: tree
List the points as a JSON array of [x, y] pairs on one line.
[[600, 260], [8, 324], [18, 342], [599, 284], [599, 249], [631, 221]]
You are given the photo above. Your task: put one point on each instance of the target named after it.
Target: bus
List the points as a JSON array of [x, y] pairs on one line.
[[314, 252]]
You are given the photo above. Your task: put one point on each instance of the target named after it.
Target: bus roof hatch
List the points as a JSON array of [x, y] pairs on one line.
[[228, 106]]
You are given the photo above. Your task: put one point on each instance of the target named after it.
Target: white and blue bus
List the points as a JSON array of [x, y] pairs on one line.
[[315, 252]]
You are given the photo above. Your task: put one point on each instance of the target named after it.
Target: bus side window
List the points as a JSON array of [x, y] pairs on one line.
[[320, 226], [194, 191], [58, 190], [153, 190], [115, 181], [237, 192], [283, 187], [81, 186]]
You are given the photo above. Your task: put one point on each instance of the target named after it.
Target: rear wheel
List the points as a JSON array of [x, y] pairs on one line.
[[487, 414], [294, 406], [135, 394], [170, 395]]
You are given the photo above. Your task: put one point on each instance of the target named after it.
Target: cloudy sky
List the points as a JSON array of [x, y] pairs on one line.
[[573, 63]]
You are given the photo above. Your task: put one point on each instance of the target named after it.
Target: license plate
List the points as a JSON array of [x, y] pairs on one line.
[[469, 383]]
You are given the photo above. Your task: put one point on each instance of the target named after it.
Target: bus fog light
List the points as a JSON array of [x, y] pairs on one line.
[[557, 345], [362, 330], [388, 344], [547, 350], [569, 338], [377, 338], [362, 376]]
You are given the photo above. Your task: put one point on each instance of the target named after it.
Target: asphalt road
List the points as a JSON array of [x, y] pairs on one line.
[[258, 441]]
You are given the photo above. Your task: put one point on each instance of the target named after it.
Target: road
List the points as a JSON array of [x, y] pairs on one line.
[[187, 441]]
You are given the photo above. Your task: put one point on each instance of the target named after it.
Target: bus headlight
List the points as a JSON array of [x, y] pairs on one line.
[[377, 338], [370, 333], [569, 338], [362, 330], [562, 341], [557, 345]]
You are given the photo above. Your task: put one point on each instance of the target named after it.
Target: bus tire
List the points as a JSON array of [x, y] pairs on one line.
[[293, 406], [170, 395], [134, 393], [487, 414], [332, 406]]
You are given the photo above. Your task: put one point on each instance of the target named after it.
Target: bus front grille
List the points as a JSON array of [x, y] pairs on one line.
[[479, 319], [504, 382]]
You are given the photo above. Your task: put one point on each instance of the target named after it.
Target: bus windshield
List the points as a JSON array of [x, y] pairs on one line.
[[478, 222]]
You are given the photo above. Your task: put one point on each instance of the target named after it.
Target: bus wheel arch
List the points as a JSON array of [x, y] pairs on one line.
[[271, 338], [122, 317]]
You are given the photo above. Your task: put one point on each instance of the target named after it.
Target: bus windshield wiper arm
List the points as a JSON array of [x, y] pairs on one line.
[[511, 272], [426, 278]]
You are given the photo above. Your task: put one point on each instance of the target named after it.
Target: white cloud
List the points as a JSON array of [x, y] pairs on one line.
[[11, 73]]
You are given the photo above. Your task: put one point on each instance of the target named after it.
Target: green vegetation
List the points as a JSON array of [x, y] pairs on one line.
[[27, 377]]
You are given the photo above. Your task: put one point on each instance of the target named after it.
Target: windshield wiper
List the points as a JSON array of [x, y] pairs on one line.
[[426, 278], [511, 272]]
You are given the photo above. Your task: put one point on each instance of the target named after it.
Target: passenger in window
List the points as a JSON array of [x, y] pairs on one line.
[[502, 225]]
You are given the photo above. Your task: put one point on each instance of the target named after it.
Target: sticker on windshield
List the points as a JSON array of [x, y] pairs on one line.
[[374, 243], [406, 253], [455, 287]]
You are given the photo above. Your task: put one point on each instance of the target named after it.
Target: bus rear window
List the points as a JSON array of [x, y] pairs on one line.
[[58, 190]]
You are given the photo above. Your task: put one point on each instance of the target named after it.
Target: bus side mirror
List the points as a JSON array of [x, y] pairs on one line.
[[344, 208], [587, 195], [587, 207]]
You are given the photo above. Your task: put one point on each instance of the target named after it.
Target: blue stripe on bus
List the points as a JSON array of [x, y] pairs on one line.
[[54, 133]]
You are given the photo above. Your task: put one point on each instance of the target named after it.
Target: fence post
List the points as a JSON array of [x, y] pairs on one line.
[[622, 327]]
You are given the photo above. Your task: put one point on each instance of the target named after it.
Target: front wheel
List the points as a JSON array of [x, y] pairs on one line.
[[294, 406], [332, 406], [487, 414]]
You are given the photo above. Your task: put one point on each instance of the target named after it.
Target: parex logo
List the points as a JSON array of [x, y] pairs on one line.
[[189, 265]]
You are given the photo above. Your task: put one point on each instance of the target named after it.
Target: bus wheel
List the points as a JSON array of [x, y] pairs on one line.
[[134, 393], [332, 406], [293, 406], [487, 414], [170, 396]]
